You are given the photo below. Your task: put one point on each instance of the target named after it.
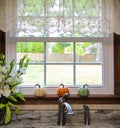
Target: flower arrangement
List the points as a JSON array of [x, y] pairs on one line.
[[10, 78]]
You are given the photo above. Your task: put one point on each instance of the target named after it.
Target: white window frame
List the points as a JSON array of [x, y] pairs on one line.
[[108, 77]]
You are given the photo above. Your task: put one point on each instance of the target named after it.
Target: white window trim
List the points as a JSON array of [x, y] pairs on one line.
[[108, 58]]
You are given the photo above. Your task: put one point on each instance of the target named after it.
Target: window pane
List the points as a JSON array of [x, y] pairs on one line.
[[88, 52], [35, 74], [59, 52], [34, 50], [57, 74], [52, 75], [89, 74]]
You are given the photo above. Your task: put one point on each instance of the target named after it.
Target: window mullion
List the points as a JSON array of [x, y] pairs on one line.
[[74, 64], [45, 53]]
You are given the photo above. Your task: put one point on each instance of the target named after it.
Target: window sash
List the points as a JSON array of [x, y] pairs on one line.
[[107, 42], [74, 65]]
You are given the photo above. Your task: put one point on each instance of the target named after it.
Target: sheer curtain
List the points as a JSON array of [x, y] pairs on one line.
[[8, 17], [56, 18]]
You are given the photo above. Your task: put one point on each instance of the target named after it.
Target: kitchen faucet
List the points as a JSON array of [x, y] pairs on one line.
[[64, 108]]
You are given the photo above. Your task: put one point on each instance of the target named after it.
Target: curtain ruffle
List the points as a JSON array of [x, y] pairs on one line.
[[57, 18]]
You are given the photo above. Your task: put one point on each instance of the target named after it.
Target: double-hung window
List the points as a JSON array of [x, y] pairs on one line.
[[72, 61], [67, 42]]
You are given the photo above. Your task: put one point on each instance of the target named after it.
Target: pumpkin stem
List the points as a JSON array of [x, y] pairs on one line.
[[61, 85], [85, 85], [38, 85]]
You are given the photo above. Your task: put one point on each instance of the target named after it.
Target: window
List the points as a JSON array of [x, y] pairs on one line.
[[49, 69], [71, 63], [71, 45]]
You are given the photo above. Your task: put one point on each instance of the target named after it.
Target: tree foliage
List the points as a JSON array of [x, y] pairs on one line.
[[33, 47], [60, 47]]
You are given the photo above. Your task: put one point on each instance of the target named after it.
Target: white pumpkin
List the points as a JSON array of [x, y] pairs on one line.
[[39, 92]]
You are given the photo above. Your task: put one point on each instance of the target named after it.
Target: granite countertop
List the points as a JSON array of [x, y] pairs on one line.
[[48, 119]]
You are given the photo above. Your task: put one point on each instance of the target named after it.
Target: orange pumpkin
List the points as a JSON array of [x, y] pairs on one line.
[[62, 90]]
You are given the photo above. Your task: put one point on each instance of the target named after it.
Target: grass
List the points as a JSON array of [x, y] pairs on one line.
[[90, 74]]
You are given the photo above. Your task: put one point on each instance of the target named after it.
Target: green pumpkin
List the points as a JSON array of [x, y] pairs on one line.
[[83, 91]]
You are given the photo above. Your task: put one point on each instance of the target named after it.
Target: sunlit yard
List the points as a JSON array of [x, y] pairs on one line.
[[90, 74], [70, 63]]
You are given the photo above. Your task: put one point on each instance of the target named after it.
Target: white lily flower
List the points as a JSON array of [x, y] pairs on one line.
[[2, 68], [1, 92], [18, 79], [23, 70], [1, 77], [13, 72], [6, 91], [14, 80], [15, 89], [10, 80]]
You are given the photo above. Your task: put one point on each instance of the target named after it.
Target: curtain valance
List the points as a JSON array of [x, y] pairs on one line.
[[81, 18]]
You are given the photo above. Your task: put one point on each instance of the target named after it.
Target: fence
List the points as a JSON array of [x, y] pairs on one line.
[[39, 57]]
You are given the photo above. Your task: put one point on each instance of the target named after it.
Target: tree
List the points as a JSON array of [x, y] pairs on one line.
[[60, 47], [33, 47]]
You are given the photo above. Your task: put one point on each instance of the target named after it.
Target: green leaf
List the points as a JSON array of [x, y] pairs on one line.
[[8, 115], [15, 107], [12, 98], [20, 95], [12, 64], [16, 84], [10, 104], [16, 110], [2, 106]]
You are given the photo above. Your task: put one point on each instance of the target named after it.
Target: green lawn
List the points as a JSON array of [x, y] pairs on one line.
[[56, 74]]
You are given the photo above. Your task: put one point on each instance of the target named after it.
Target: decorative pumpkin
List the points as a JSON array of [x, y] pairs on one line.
[[62, 90], [39, 92], [83, 91]]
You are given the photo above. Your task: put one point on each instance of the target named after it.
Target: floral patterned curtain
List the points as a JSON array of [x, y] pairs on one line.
[[56, 18]]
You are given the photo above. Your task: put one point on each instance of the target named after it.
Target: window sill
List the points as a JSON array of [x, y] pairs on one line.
[[73, 99]]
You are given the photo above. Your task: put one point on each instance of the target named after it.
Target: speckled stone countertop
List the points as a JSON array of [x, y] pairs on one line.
[[48, 119]]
